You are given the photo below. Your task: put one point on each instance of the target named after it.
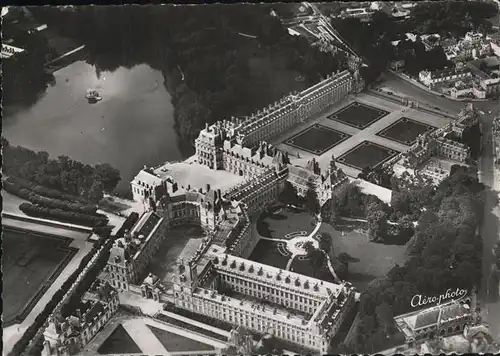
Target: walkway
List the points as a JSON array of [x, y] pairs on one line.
[[295, 246], [144, 338]]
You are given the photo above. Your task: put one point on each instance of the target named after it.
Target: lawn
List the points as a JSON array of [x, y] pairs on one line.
[[176, 343], [281, 221], [31, 262], [267, 252], [108, 204], [366, 154], [405, 131], [375, 260], [119, 342], [317, 139], [358, 115]]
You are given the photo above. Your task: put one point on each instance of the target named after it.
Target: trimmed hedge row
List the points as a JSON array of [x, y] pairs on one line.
[[127, 224], [41, 318], [44, 191], [16, 189], [61, 215]]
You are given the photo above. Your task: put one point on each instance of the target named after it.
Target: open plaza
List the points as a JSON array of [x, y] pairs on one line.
[[375, 129]]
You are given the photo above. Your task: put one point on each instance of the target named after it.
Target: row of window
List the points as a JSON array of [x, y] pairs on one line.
[[257, 288], [257, 322]]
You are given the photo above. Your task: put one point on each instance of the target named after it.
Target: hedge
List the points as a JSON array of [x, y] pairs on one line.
[[61, 215], [52, 203], [44, 191], [127, 224], [41, 318]]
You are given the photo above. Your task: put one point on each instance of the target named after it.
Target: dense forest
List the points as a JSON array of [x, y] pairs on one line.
[[81, 181], [23, 76], [227, 54], [445, 252]]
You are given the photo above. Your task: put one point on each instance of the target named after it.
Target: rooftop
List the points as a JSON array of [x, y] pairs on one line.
[[281, 279]]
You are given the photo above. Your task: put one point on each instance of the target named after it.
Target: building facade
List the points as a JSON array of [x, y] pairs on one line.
[[298, 309], [70, 335], [307, 311]]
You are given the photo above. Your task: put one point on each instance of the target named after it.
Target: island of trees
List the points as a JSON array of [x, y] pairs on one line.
[[61, 189]]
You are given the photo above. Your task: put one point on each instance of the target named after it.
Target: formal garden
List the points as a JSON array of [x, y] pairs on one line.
[[119, 342], [367, 154], [31, 262], [358, 115], [284, 222], [317, 139], [405, 131]]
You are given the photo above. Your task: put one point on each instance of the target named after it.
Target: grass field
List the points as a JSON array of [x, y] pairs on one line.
[[317, 139], [31, 262], [266, 252], [375, 260], [405, 131], [119, 342], [176, 343], [366, 154], [358, 115], [282, 221]]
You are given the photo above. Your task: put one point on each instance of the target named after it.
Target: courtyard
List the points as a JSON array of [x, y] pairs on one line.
[[181, 243], [358, 115], [31, 263], [374, 260], [366, 154], [405, 131], [317, 139], [127, 334]]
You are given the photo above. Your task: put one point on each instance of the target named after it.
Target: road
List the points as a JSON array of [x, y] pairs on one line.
[[491, 225], [490, 231], [411, 91]]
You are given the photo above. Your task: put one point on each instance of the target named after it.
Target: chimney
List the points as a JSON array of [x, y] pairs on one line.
[[145, 167], [208, 187], [219, 194]]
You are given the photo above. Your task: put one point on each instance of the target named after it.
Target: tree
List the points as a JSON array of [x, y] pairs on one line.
[[96, 194], [289, 194], [312, 202], [377, 223], [108, 175]]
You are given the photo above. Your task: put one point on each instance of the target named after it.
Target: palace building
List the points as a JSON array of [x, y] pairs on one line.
[[442, 143], [70, 335], [299, 309]]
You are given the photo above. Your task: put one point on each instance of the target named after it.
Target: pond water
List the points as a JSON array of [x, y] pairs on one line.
[[131, 127]]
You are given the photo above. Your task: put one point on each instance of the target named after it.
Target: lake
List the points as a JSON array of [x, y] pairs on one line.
[[131, 127]]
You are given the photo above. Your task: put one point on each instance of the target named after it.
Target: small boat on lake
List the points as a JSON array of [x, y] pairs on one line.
[[93, 96]]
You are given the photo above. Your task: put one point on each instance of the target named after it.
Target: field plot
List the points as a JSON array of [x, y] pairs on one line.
[[358, 115], [405, 131], [317, 139], [366, 154], [31, 262]]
